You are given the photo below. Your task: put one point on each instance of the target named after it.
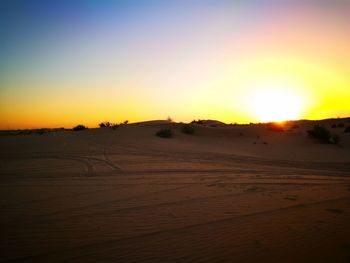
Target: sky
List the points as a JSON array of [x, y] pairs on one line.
[[68, 62]]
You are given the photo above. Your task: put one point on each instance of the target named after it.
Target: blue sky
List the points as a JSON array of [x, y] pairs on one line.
[[160, 57]]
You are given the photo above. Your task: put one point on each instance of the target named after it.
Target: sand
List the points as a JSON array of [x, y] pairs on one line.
[[224, 194]]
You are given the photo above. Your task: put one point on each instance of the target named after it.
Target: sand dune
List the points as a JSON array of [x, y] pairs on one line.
[[225, 194]]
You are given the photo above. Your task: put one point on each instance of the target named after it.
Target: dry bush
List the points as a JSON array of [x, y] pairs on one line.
[[187, 129], [323, 135], [165, 133], [79, 127]]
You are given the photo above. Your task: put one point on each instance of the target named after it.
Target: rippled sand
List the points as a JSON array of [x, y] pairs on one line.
[[127, 196]]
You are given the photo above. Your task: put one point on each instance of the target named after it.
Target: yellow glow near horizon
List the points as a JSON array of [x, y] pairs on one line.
[[234, 62]]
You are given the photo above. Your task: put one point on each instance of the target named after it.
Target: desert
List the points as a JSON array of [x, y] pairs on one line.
[[226, 193], [161, 131]]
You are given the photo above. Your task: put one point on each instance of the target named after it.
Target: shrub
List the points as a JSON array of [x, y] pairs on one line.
[[323, 135], [104, 124], [197, 122], [126, 122], [347, 129], [79, 128], [188, 129], [165, 133], [341, 125]]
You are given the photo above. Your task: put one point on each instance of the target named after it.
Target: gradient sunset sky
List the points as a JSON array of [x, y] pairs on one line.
[[68, 62]]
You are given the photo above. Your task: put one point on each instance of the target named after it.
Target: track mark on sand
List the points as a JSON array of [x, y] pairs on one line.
[[87, 165], [44, 217]]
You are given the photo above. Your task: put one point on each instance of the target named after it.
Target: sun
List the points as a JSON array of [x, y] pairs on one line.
[[275, 105]]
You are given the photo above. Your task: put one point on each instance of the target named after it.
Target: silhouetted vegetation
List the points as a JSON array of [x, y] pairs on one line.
[[112, 125], [165, 133], [197, 122], [188, 129], [347, 129], [105, 124], [79, 128], [323, 135], [320, 133]]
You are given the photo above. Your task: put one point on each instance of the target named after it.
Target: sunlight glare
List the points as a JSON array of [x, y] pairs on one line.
[[275, 104]]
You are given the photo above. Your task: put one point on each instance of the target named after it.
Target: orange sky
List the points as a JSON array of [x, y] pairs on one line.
[[69, 63]]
